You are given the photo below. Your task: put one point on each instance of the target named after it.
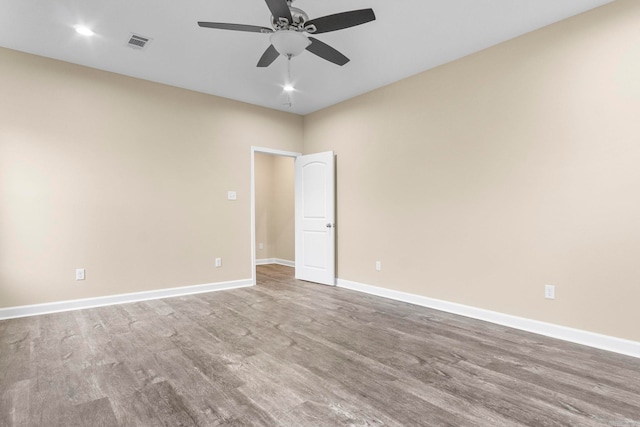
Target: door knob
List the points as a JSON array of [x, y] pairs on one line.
[[329, 225]]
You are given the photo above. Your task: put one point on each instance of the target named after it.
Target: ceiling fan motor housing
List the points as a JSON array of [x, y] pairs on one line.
[[299, 18]]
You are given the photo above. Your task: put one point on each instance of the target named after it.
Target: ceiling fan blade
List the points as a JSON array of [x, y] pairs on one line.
[[279, 9], [325, 51], [268, 56], [235, 27], [340, 21]]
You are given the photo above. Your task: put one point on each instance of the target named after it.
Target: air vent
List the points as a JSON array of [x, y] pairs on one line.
[[136, 41]]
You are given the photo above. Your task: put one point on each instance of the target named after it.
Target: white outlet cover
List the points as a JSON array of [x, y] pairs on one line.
[[80, 274], [549, 291], [232, 195]]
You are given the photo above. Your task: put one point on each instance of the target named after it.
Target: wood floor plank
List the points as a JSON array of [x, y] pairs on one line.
[[322, 397], [14, 404], [97, 413], [168, 404], [15, 354], [310, 413], [201, 395], [292, 353], [367, 380], [549, 400]]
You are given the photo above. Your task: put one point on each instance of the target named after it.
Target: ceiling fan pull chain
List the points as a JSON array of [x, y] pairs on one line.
[[289, 82]]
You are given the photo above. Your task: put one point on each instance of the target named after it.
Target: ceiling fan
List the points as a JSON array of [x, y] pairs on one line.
[[290, 27]]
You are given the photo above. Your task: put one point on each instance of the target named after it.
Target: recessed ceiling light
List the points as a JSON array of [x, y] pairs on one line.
[[85, 31], [289, 88]]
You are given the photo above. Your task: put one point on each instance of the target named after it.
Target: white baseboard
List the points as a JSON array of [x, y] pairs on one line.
[[278, 261], [56, 307], [591, 339]]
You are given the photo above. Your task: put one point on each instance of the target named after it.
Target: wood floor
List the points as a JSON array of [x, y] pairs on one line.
[[289, 353]]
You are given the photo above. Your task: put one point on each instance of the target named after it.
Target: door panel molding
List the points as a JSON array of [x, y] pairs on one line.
[[315, 217]]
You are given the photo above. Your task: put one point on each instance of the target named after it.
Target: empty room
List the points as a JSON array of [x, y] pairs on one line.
[[275, 213]]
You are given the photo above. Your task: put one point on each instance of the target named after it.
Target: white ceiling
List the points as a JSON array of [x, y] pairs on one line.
[[408, 36]]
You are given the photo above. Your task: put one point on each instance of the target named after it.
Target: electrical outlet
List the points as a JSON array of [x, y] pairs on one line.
[[79, 273], [260, 245], [218, 262], [378, 265], [549, 291]]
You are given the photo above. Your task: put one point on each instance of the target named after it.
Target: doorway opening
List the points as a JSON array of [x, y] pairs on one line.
[[272, 208]]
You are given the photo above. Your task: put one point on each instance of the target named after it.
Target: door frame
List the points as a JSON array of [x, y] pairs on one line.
[[271, 152]]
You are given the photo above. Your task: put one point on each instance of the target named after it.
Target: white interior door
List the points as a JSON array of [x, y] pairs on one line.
[[315, 218]]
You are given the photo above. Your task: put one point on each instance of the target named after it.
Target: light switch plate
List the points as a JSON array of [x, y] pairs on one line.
[[79, 273]]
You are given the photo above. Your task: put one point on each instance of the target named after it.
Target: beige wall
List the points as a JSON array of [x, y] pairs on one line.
[[263, 170], [283, 234], [125, 178], [483, 180], [275, 224]]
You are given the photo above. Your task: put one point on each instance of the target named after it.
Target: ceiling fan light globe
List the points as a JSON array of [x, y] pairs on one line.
[[289, 42]]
